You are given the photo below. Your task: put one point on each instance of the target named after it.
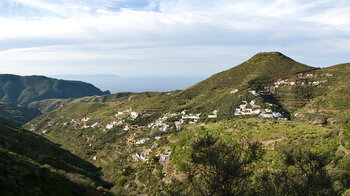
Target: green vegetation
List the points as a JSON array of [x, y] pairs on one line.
[[217, 168]]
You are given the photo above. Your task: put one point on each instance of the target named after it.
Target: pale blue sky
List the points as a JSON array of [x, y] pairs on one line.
[[167, 37]]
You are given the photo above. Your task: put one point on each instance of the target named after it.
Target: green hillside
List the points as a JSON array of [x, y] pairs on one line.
[[26, 89], [334, 104], [261, 65], [18, 114], [215, 93]]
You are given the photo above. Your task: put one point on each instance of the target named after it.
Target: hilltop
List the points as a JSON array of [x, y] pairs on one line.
[[261, 65], [23, 90]]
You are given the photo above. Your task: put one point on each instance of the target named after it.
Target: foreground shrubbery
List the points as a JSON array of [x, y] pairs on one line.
[[218, 168]]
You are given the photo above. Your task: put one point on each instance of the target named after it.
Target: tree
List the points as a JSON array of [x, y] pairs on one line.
[[303, 173], [221, 169]]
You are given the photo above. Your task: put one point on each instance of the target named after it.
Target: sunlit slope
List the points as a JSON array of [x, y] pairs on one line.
[[262, 65], [334, 104]]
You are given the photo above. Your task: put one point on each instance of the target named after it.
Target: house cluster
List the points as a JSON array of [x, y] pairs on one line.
[[144, 155], [85, 126], [190, 116], [128, 111], [284, 82], [164, 157], [142, 141], [114, 123], [193, 118], [160, 124], [306, 75], [267, 113], [248, 109], [178, 124], [316, 83], [327, 74]]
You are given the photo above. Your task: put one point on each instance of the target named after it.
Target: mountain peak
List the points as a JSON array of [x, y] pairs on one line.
[[261, 65], [268, 56]]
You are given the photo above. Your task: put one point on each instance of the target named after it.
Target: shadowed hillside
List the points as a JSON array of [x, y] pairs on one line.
[[18, 114], [27, 152]]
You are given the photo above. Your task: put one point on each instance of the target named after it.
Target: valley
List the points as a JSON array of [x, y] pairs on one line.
[[144, 143]]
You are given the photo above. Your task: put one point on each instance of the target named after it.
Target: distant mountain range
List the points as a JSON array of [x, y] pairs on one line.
[[23, 90]]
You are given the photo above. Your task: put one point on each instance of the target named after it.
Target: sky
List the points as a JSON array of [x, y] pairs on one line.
[[159, 38]]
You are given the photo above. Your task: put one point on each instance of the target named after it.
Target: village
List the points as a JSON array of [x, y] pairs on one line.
[[146, 145], [303, 79]]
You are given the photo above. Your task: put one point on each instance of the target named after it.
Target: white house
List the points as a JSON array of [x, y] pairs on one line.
[[234, 91], [85, 119], [126, 128], [109, 126], [119, 114], [253, 92], [266, 115], [142, 141], [45, 131], [94, 125], [178, 125], [191, 116], [134, 115], [214, 115]]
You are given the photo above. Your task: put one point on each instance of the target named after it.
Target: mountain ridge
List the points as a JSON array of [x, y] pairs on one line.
[[26, 89]]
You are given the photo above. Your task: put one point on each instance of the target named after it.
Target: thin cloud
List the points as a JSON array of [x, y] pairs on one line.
[[161, 35]]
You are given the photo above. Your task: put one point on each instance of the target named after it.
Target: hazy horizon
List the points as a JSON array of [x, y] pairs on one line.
[[115, 83]]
